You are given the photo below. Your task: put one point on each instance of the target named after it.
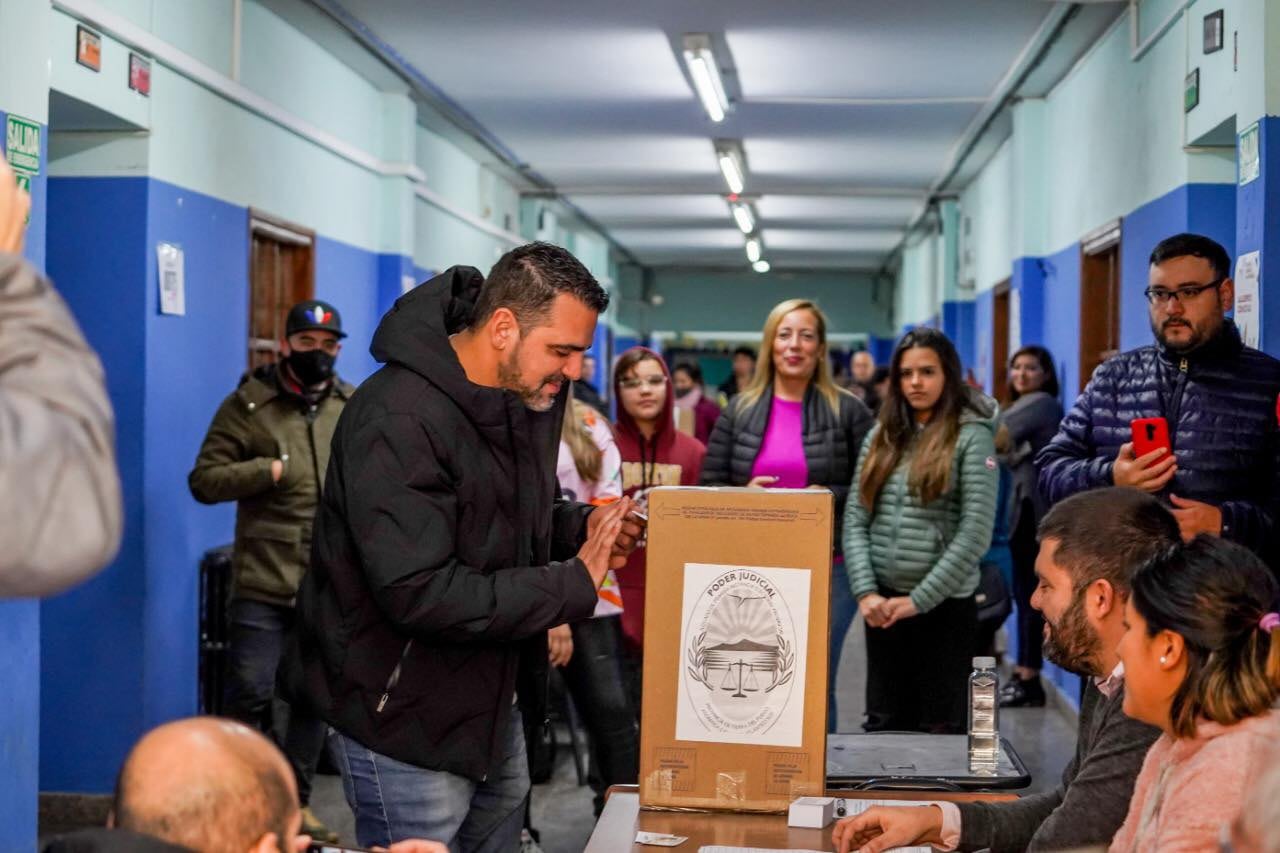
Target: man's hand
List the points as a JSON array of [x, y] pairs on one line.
[[870, 606], [896, 609], [880, 828], [414, 845], [560, 645], [1145, 472], [277, 470], [764, 481], [14, 207], [604, 526], [630, 535], [1195, 518]]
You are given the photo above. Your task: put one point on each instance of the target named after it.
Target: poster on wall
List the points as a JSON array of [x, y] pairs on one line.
[[1248, 311], [173, 289], [1249, 155], [744, 641], [1015, 319]]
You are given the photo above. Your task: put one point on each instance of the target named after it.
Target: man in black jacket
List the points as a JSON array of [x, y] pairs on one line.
[[422, 623], [1217, 395]]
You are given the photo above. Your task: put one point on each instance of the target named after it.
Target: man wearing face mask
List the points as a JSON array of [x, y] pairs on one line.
[[268, 449]]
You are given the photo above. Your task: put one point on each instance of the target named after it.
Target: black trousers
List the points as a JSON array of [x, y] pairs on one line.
[[256, 638], [596, 681], [1023, 547], [918, 669]]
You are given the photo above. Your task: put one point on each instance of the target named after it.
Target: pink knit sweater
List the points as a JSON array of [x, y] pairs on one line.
[[1189, 787]]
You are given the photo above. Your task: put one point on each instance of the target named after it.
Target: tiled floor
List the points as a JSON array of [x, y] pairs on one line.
[[562, 810]]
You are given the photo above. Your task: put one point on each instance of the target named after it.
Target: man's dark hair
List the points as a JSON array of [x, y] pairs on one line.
[[1196, 246], [695, 372], [527, 280], [747, 351], [217, 811], [1106, 534]]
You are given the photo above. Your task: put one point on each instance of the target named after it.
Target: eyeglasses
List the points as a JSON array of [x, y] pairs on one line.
[[1161, 296], [634, 384]]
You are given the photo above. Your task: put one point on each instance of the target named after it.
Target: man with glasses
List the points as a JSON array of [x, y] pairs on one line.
[[1217, 395], [268, 449]]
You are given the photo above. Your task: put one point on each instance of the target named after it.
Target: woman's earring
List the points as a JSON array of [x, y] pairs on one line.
[[1163, 659]]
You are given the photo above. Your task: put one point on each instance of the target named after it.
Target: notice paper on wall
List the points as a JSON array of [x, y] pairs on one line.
[[173, 288], [1248, 313], [744, 641]]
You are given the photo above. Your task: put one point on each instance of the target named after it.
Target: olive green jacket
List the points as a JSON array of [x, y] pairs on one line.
[[930, 552], [258, 423]]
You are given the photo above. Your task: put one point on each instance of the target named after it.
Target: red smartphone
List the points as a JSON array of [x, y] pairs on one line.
[[1150, 434]]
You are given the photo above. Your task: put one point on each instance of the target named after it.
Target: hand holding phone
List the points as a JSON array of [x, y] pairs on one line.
[[1147, 462]]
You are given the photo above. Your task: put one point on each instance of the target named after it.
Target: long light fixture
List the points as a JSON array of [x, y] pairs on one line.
[[704, 71], [754, 250], [743, 215], [760, 266], [732, 164]]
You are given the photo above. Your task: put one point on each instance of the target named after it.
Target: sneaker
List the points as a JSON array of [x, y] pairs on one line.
[[314, 826], [1022, 693]]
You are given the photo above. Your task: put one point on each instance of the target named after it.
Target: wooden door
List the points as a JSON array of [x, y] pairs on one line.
[[1000, 343], [1099, 300], [281, 274]]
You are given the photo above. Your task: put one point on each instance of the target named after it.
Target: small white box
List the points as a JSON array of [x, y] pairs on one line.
[[811, 812]]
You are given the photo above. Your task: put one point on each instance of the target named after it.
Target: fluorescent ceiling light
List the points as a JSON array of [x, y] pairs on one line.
[[732, 166], [704, 71], [743, 215], [760, 266], [753, 250]]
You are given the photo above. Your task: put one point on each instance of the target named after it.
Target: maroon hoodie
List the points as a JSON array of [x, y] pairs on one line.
[[670, 458]]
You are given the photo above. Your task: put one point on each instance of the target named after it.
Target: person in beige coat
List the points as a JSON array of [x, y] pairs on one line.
[[60, 490]]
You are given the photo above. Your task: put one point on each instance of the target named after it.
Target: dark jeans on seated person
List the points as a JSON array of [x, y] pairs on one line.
[[843, 610], [594, 676], [256, 638], [918, 669]]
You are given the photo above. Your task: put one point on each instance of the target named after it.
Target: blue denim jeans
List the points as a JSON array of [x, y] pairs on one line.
[[394, 801]]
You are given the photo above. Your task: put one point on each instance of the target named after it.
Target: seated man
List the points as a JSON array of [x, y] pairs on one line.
[[1089, 546], [204, 784]]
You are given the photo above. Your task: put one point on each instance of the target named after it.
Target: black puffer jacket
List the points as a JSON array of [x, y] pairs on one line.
[[831, 442], [432, 583], [1220, 401]]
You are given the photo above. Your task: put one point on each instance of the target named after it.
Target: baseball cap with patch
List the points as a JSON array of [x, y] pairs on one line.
[[313, 315]]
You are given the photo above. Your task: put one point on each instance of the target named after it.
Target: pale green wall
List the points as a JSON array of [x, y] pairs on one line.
[[24, 60], [1217, 76], [918, 285], [987, 234], [739, 302], [107, 89]]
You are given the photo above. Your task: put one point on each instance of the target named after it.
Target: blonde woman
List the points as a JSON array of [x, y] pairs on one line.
[[793, 427]]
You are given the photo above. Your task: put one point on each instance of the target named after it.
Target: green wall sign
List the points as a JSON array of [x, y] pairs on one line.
[[22, 142]]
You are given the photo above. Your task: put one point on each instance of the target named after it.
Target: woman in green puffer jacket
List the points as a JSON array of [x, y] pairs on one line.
[[925, 489]]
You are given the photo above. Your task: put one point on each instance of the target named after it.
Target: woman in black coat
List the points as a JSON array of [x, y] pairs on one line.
[[793, 427]]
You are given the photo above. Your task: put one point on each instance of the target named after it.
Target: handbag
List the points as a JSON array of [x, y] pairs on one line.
[[992, 595]]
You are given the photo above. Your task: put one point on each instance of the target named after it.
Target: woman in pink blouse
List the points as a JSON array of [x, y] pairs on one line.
[[1202, 662]]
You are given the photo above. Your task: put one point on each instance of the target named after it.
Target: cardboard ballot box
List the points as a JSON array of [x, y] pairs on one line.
[[734, 711]]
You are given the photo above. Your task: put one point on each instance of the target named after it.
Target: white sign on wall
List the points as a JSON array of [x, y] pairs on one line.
[[744, 638], [1015, 319], [1248, 307], [171, 275]]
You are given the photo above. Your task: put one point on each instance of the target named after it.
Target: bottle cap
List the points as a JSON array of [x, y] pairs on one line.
[[984, 663]]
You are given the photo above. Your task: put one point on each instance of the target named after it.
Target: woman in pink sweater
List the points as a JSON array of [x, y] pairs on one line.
[[1202, 662]]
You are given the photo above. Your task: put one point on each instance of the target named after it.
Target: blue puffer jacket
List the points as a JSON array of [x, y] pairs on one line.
[[1220, 401]]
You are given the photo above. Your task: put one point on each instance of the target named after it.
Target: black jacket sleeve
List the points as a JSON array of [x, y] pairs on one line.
[[568, 526], [403, 516], [715, 466], [856, 421]]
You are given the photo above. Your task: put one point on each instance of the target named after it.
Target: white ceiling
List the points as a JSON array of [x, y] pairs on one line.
[[592, 97]]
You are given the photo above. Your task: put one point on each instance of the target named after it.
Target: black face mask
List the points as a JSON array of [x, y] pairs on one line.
[[312, 367]]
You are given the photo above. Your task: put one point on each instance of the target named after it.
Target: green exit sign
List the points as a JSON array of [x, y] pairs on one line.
[[22, 142]]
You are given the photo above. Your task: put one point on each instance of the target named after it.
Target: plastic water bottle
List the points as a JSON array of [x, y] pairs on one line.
[[984, 734]]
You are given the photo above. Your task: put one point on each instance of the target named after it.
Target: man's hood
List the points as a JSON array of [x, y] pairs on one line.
[[665, 432]]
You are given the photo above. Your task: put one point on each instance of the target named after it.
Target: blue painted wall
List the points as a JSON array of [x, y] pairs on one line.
[[126, 643], [20, 631], [881, 349], [1028, 281], [957, 324]]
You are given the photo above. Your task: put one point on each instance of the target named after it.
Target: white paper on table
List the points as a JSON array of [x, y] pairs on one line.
[[1248, 313], [744, 641]]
